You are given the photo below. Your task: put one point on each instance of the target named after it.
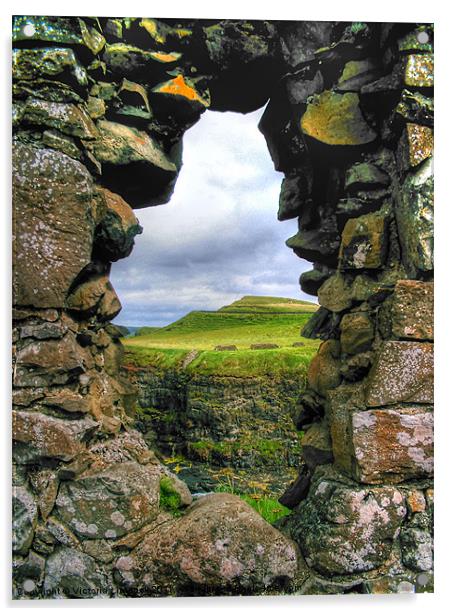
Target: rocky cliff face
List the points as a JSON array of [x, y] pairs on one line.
[[238, 422], [100, 109]]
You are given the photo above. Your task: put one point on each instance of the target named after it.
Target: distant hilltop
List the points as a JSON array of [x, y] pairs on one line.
[[248, 304]]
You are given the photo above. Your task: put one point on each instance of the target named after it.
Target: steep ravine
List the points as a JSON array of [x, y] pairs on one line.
[[210, 423]]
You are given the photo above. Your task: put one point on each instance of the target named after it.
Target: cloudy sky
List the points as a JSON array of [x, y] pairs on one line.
[[219, 238]]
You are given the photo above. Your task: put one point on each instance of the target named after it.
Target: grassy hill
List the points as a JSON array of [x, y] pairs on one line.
[[250, 320]]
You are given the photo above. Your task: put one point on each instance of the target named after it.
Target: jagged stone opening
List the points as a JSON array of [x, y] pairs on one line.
[[226, 197]]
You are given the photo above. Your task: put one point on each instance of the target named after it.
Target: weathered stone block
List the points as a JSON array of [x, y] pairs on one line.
[[402, 372], [73, 574], [24, 517], [320, 244], [336, 119], [357, 333], [417, 549], [67, 118], [415, 146], [51, 362], [295, 195], [341, 403], [116, 231], [364, 242], [414, 215], [53, 225], [365, 175], [133, 164], [56, 63], [316, 445], [43, 436], [95, 296], [412, 310], [108, 503], [344, 529], [392, 445], [419, 70], [324, 369], [335, 294]]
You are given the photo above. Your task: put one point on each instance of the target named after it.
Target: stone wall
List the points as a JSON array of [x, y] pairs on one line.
[[100, 109]]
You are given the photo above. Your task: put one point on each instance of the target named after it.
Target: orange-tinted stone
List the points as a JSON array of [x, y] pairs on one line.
[[392, 444]]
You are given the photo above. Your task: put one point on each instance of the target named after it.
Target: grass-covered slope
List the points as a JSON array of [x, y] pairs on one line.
[[251, 320]]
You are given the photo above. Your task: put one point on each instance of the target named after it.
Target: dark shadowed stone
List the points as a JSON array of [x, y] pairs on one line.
[[95, 296], [414, 107], [294, 195], [302, 86], [412, 310], [402, 372], [312, 280], [341, 403], [284, 141], [297, 490], [108, 503], [73, 574], [324, 369], [323, 324], [220, 545], [357, 332], [114, 237], [42, 436], [316, 445], [417, 549], [123, 60], [321, 244], [243, 54], [365, 175], [133, 165], [414, 215], [344, 529], [264, 345], [335, 294], [301, 39], [53, 225], [29, 568], [63, 30], [355, 367], [364, 242], [54, 63], [24, 517], [336, 119], [392, 445]]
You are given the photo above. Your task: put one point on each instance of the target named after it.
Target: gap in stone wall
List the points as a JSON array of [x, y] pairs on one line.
[[218, 239]]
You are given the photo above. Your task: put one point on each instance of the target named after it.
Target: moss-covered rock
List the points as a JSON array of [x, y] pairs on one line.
[[336, 119]]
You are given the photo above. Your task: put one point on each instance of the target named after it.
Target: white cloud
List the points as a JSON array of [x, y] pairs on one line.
[[218, 239]]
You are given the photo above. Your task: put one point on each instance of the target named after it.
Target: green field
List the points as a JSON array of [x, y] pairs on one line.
[[251, 320]]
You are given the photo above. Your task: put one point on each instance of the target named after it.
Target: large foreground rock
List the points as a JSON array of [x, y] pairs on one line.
[[347, 528], [220, 546]]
